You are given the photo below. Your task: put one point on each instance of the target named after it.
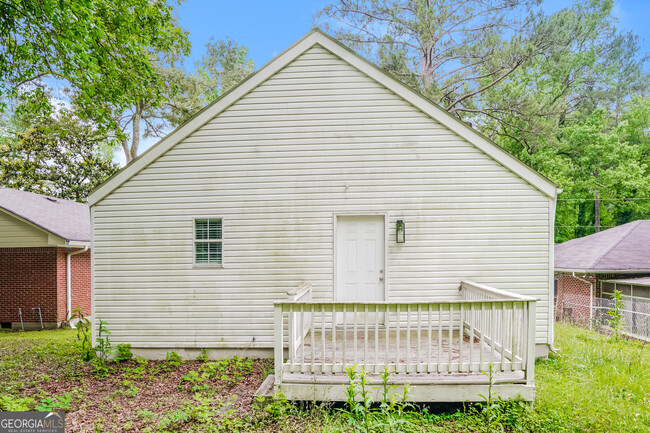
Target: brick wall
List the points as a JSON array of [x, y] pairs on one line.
[[36, 277], [28, 279], [573, 294]]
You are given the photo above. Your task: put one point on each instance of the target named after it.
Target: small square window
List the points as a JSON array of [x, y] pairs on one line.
[[208, 241]]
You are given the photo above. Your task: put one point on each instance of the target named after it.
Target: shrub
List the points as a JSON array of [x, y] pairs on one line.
[[84, 340], [173, 360], [123, 353]]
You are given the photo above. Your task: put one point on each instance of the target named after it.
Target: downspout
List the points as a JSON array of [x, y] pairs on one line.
[[68, 281], [591, 298]]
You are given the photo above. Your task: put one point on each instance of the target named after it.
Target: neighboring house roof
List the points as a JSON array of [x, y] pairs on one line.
[[633, 281], [622, 249], [317, 37], [67, 219]]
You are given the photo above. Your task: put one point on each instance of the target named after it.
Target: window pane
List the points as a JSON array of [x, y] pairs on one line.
[[214, 231], [202, 252], [201, 229], [215, 252]]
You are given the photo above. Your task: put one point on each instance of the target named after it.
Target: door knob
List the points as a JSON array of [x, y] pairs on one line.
[[381, 278]]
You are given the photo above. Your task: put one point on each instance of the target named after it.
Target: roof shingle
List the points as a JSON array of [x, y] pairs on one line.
[[625, 248], [65, 218]]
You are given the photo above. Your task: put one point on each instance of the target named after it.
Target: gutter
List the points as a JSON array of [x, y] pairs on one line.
[[68, 280], [591, 297]]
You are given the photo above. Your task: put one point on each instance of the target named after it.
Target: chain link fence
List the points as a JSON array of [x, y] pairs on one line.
[[596, 315]]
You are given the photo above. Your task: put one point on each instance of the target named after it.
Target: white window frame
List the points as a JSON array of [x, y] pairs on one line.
[[195, 241]]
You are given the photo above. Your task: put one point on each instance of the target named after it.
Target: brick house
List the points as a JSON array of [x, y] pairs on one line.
[[44, 259], [584, 266]]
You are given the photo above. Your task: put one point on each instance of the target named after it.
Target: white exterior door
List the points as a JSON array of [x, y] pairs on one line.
[[360, 271]]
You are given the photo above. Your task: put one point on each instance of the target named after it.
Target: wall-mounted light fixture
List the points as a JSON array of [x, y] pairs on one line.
[[400, 232]]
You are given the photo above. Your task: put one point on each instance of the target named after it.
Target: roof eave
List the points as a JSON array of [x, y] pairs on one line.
[[602, 271]]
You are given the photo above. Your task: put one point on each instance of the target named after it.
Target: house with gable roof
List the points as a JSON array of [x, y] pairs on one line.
[[44, 259], [326, 214]]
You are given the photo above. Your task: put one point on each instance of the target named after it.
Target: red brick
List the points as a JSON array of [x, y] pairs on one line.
[[36, 277]]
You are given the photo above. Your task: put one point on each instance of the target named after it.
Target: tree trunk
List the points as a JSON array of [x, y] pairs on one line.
[[132, 152], [135, 138], [597, 211], [426, 66], [127, 153]]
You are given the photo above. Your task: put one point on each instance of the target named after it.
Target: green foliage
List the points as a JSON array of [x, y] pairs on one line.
[[103, 346], [58, 156], [594, 383], [100, 369], [497, 414], [204, 356], [393, 412], [123, 353], [84, 339], [11, 403], [102, 49], [616, 317], [268, 367], [230, 370], [223, 66], [129, 389], [50, 404], [173, 360], [279, 407]]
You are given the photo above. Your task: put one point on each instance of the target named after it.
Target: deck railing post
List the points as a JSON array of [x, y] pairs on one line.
[[530, 357], [278, 353]]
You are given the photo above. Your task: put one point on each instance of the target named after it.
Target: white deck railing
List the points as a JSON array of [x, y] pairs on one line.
[[513, 342], [486, 326]]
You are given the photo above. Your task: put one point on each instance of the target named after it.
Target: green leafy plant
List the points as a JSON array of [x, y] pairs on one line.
[[496, 413], [173, 360], [84, 339], [203, 357], [361, 415], [197, 380], [123, 353], [616, 318], [100, 369], [103, 347], [278, 408], [139, 370], [230, 370], [11, 403], [130, 389], [49, 404], [268, 367]]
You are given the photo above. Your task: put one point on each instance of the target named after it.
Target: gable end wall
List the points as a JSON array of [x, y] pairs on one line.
[[317, 139]]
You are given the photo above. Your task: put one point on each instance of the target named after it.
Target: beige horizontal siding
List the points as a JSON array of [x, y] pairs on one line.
[[317, 139], [16, 233]]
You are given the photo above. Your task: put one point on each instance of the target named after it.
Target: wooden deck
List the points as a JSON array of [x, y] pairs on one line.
[[441, 351], [379, 346], [359, 356]]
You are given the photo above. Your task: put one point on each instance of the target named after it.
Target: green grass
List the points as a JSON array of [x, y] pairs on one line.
[[23, 354], [593, 384]]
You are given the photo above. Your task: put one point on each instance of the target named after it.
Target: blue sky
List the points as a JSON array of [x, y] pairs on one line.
[[268, 27]]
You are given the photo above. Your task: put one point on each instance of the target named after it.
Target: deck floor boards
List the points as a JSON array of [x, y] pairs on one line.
[[392, 355]]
